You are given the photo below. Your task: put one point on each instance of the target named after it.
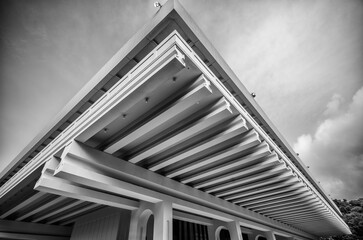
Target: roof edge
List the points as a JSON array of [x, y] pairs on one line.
[[102, 76], [247, 98]]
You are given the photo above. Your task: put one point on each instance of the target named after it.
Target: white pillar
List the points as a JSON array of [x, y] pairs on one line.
[[233, 228], [253, 235], [212, 232], [138, 222], [163, 221], [270, 235], [136, 228]]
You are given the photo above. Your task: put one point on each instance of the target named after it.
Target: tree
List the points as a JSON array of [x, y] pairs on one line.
[[353, 215]]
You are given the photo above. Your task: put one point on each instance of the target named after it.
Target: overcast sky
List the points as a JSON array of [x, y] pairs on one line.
[[303, 59]]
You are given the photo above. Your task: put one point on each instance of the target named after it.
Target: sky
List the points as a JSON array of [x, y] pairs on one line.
[[303, 59]]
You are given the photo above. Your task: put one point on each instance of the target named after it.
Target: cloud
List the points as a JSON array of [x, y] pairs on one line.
[[333, 106], [334, 152]]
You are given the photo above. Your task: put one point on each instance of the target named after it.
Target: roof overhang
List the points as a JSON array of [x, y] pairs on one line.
[[195, 67]]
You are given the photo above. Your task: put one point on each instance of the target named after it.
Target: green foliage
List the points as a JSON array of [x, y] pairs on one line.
[[353, 215]]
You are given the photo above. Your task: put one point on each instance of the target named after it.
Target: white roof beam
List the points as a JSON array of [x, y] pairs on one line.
[[276, 205], [257, 153], [55, 185], [41, 208], [248, 141], [217, 114], [304, 195], [238, 198], [58, 210], [267, 188], [296, 211], [198, 90], [260, 179], [291, 205], [272, 197], [236, 127], [73, 213], [93, 168], [304, 217], [267, 162]]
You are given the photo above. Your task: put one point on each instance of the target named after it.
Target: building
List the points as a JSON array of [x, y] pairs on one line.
[[164, 142]]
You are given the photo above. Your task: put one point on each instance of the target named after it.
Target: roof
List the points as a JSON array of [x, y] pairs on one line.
[[169, 18]]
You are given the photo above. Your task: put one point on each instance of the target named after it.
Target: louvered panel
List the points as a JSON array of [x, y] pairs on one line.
[[268, 202], [259, 190], [218, 113], [37, 196], [44, 206], [298, 209], [180, 162], [240, 198], [71, 215], [245, 143], [221, 168], [284, 203], [166, 119], [264, 160], [263, 178], [69, 205], [272, 197]]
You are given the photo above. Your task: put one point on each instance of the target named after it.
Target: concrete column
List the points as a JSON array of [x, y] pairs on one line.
[[234, 230], [163, 221], [138, 222], [270, 235], [252, 235], [212, 232]]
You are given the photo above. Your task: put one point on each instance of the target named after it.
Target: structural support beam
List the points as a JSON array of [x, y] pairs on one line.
[[219, 113], [235, 128], [51, 184], [197, 91], [248, 140], [250, 181], [259, 152], [266, 160], [91, 168]]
